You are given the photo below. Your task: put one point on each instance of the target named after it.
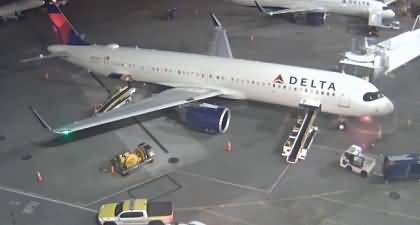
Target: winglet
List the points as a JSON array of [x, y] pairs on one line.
[[261, 9], [219, 45], [216, 21], [41, 120]]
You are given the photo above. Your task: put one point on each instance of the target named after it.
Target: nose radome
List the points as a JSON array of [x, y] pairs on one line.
[[390, 107]]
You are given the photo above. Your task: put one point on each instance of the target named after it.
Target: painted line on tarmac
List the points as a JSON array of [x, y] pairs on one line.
[[125, 190], [229, 218], [37, 196], [216, 180], [262, 202], [279, 179], [329, 148], [367, 208]]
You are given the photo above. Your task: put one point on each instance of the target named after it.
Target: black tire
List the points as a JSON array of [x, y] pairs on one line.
[[109, 223], [349, 168], [363, 174], [125, 173]]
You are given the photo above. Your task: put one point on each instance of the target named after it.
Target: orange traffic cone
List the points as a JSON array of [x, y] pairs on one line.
[[39, 177], [228, 146]]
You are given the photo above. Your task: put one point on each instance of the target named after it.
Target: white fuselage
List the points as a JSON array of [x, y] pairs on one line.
[[238, 79], [14, 9], [360, 8]]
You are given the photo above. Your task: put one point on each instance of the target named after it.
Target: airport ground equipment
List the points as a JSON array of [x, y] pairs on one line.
[[127, 161], [120, 97], [135, 211], [301, 137], [371, 61], [401, 167], [353, 159]]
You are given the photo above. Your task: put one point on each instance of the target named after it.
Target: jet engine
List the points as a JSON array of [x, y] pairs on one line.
[[316, 18], [205, 117]]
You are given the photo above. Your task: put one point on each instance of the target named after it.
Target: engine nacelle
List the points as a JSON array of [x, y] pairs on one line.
[[316, 18], [205, 117]]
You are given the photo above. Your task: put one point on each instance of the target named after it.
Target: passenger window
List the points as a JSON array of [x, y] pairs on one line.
[[357, 161], [131, 215]]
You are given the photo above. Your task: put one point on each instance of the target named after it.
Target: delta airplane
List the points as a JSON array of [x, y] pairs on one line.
[[194, 77], [14, 10], [316, 10]]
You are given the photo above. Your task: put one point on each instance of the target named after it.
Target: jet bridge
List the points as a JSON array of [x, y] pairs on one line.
[[301, 137], [371, 61]]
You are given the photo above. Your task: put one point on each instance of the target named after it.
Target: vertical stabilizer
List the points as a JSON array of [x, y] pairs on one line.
[[62, 28]]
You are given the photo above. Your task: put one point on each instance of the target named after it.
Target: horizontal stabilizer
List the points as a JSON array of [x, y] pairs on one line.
[[219, 45], [42, 57]]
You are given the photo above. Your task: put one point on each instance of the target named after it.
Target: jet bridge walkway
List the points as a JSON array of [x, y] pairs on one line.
[[301, 137]]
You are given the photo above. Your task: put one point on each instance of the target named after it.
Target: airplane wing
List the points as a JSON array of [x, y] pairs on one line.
[[219, 46], [166, 99], [289, 10]]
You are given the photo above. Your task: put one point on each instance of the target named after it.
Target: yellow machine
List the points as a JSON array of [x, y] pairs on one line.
[[127, 161]]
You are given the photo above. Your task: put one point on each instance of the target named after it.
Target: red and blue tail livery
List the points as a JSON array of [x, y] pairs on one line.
[[62, 28]]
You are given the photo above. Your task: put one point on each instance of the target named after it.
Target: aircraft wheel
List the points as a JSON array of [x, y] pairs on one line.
[[341, 126]]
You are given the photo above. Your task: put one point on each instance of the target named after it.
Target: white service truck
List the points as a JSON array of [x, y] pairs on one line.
[[353, 159]]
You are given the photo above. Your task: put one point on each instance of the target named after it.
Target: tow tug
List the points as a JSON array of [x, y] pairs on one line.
[[302, 135], [120, 97], [127, 161], [353, 159]]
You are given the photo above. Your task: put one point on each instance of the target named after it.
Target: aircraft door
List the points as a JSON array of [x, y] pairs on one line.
[[343, 101]]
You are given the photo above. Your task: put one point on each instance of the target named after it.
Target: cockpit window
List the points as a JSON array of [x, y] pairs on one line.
[[386, 7], [371, 96]]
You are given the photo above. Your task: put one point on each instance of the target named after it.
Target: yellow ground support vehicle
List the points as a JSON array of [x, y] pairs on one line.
[[127, 161], [135, 211]]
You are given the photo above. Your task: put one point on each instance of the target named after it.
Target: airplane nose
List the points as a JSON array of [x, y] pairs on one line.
[[388, 107], [388, 14]]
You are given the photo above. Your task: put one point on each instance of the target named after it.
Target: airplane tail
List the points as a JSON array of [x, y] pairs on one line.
[[65, 32]]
